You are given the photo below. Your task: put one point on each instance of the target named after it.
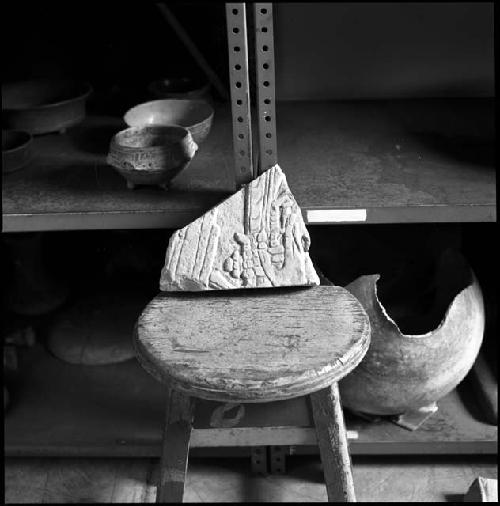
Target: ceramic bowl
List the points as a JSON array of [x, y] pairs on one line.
[[404, 372], [16, 150], [195, 115], [179, 88], [151, 154], [43, 105]]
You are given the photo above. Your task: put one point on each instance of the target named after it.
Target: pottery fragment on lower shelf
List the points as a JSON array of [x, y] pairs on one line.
[[412, 420], [256, 238], [403, 375]]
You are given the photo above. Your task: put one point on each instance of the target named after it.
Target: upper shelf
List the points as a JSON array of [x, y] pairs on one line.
[[372, 161]]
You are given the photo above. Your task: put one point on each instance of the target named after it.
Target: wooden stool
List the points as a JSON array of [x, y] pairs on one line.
[[253, 346]]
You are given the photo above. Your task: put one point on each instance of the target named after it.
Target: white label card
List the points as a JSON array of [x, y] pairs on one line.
[[335, 215]]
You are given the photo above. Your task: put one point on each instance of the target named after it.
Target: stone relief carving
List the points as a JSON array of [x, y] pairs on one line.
[[255, 238]]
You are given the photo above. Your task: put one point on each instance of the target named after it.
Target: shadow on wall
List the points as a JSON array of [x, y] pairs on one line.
[[383, 50]]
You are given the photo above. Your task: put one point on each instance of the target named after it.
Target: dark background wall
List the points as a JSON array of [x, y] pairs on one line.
[[107, 41], [374, 50], [119, 47], [323, 50]]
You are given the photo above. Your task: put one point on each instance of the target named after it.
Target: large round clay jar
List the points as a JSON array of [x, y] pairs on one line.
[[404, 372]]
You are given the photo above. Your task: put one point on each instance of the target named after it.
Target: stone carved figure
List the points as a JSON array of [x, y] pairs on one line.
[[256, 238]]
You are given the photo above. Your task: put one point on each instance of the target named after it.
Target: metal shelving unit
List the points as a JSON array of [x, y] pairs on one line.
[[367, 162], [116, 411]]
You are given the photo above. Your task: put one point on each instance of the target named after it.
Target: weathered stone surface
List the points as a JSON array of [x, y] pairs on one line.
[[256, 238], [482, 490]]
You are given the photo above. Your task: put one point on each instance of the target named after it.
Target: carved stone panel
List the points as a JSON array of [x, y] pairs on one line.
[[256, 238]]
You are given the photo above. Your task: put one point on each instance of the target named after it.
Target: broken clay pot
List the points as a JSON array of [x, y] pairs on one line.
[[403, 373]]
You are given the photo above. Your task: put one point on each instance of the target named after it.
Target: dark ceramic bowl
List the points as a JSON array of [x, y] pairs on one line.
[[195, 115], [151, 155], [16, 150], [179, 88], [43, 105]]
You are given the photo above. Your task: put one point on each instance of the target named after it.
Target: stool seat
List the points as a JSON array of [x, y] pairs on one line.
[[256, 345]]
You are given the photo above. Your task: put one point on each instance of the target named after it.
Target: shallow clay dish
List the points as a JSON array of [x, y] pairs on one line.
[[43, 105], [179, 88], [16, 150], [195, 115], [151, 154], [402, 373]]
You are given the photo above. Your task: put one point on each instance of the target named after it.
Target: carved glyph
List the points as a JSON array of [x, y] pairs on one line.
[[255, 238]]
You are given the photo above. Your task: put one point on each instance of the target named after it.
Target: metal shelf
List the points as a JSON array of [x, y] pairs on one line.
[[371, 162], [59, 409], [398, 161], [394, 161]]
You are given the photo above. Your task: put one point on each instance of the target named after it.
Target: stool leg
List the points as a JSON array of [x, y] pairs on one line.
[[332, 441], [175, 447]]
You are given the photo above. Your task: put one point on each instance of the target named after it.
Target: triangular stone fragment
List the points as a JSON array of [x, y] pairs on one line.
[[256, 238]]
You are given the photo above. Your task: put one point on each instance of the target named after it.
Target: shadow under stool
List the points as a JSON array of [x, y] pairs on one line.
[[247, 346]]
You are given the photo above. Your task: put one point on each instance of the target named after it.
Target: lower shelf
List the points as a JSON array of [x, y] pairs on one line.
[[59, 409]]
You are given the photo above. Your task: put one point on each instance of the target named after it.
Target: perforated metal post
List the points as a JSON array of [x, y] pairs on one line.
[[240, 95], [259, 459], [277, 458], [264, 52]]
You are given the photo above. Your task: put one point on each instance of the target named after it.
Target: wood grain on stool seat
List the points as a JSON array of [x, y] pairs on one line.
[[255, 345]]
